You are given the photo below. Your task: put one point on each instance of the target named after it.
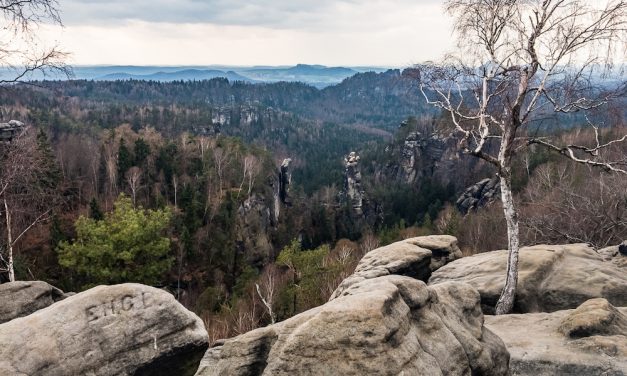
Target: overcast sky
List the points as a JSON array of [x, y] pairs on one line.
[[253, 32]]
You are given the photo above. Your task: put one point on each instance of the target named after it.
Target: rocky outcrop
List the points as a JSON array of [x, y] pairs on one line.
[[285, 181], [9, 130], [353, 193], [253, 227], [388, 325], [416, 257], [589, 340], [25, 297], [127, 329], [551, 277], [616, 254], [479, 195], [421, 155]]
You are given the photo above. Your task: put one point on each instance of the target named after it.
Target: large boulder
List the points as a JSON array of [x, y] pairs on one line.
[[389, 325], [415, 257], [589, 340], [127, 329], [25, 297], [550, 278]]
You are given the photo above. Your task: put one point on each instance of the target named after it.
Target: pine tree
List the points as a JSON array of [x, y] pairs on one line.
[[128, 245], [95, 212], [142, 151]]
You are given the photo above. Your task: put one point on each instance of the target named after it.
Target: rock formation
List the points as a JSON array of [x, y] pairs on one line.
[[551, 277], [387, 325], [253, 227], [353, 193], [10, 129], [285, 181], [420, 156], [127, 329], [383, 322], [416, 257], [617, 254], [589, 340], [22, 298], [479, 195]]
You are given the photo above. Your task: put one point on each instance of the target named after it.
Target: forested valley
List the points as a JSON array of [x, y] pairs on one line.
[[252, 202]]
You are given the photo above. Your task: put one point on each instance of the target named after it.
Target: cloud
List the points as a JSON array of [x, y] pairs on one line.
[[276, 14], [250, 32]]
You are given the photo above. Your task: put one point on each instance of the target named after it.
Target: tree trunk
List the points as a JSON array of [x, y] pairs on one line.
[[506, 300], [9, 243]]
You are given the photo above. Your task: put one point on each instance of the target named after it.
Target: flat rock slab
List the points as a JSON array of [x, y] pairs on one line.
[[389, 325], [551, 277], [128, 329], [22, 298], [543, 344], [415, 257]]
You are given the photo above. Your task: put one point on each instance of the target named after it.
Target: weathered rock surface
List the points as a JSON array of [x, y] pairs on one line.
[[589, 340], [253, 225], [551, 277], [9, 130], [416, 257], [285, 182], [389, 325], [616, 254], [479, 195], [22, 298], [423, 154], [127, 329], [353, 193]]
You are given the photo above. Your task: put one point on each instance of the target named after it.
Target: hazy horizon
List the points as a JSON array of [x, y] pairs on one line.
[[369, 33]]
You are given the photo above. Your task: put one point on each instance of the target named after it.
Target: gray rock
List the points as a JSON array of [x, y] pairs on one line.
[[616, 254], [22, 298], [353, 193], [589, 340], [9, 130], [443, 249], [479, 195], [415, 257], [389, 325], [285, 182], [127, 329], [551, 277]]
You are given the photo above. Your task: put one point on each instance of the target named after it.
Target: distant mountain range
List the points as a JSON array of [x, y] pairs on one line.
[[181, 75], [319, 76]]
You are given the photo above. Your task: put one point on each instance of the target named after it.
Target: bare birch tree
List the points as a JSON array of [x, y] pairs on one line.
[[134, 180], [26, 196], [22, 52], [250, 170], [518, 61], [268, 290]]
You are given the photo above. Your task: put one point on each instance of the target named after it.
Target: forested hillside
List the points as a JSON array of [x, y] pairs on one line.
[[233, 185]]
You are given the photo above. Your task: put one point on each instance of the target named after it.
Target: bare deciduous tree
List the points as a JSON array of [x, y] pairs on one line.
[[134, 180], [221, 159], [368, 243], [27, 198], [560, 206], [269, 287], [521, 60], [21, 50]]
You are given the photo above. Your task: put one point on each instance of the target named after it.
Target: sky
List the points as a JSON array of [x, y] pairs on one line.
[[390, 33]]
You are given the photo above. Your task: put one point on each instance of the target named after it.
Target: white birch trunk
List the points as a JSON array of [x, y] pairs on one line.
[[508, 295], [10, 268]]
